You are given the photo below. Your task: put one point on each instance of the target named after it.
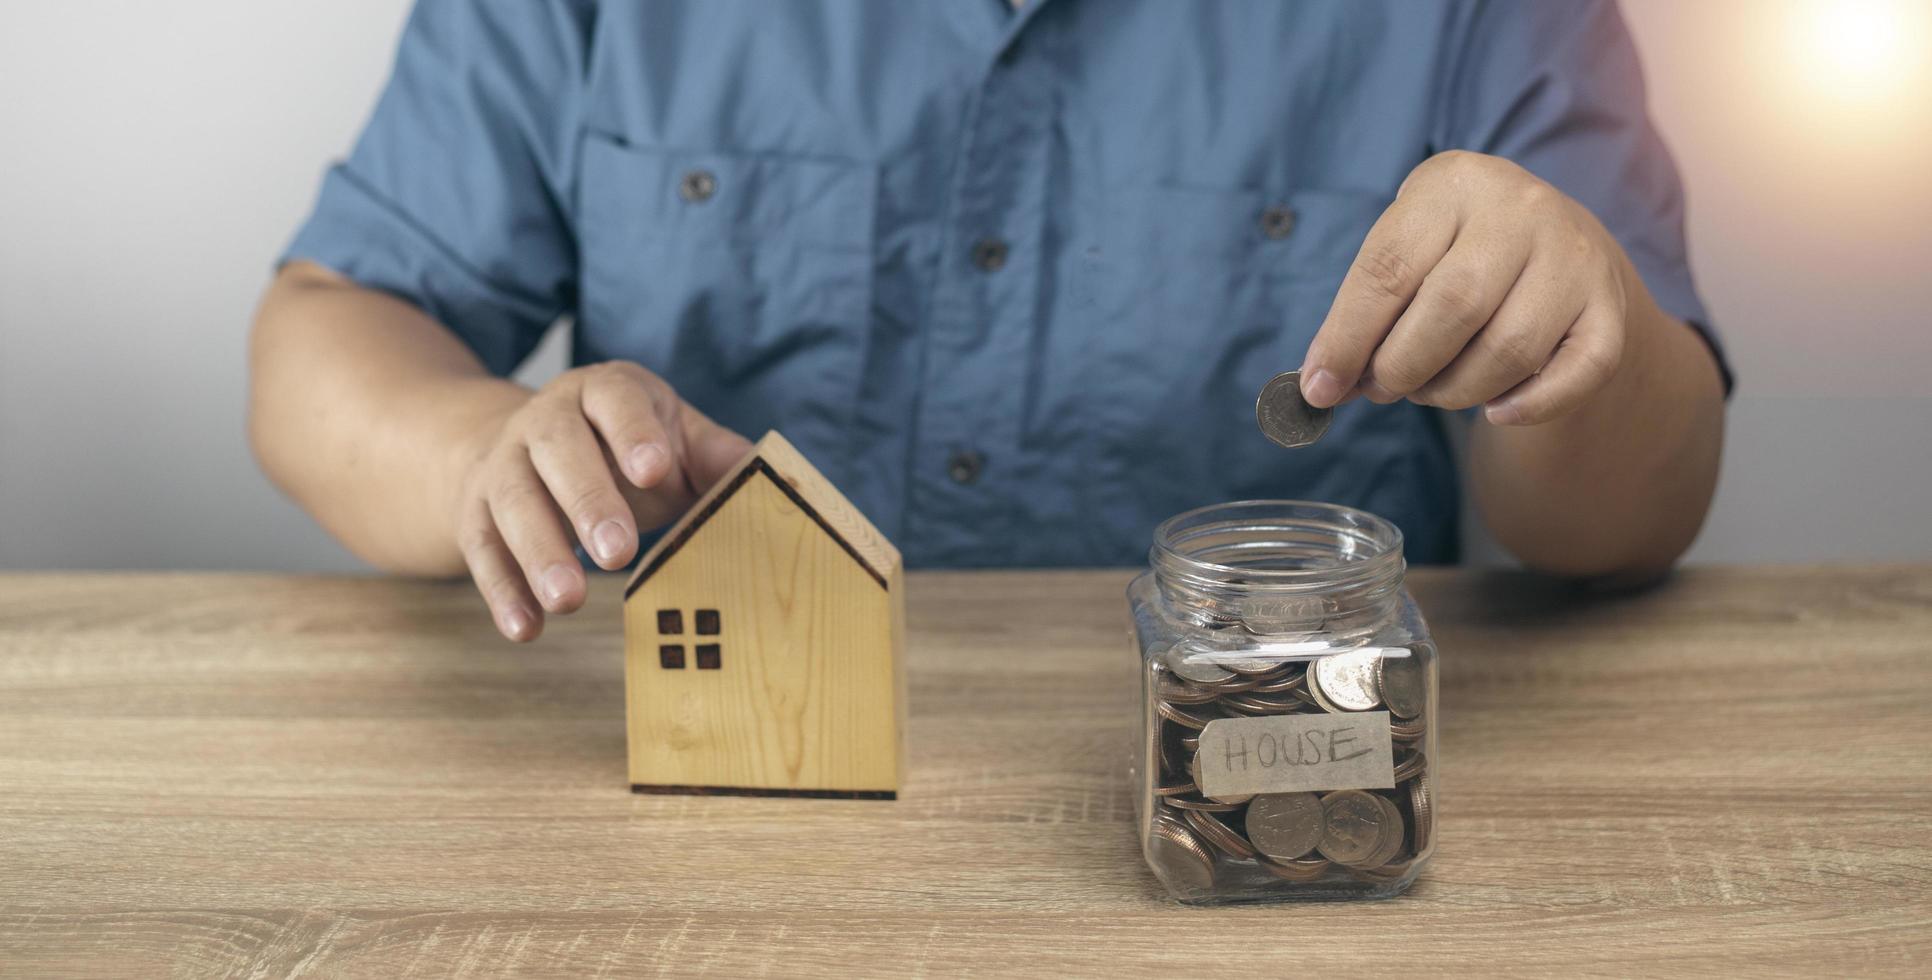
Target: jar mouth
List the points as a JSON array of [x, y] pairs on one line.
[[1278, 547]]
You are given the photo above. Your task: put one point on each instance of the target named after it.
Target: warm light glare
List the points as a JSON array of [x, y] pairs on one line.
[[1860, 51]]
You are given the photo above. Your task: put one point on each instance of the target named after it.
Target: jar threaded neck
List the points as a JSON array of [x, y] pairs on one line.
[[1278, 565]]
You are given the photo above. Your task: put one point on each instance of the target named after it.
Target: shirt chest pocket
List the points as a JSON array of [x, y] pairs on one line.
[[744, 279]]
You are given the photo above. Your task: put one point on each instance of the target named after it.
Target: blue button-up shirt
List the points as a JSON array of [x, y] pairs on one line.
[[1012, 279]]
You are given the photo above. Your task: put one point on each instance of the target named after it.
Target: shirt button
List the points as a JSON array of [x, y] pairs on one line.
[[964, 466], [989, 254], [697, 186], [1277, 222]]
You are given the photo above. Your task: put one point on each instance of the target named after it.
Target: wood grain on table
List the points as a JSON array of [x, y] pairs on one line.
[[271, 776]]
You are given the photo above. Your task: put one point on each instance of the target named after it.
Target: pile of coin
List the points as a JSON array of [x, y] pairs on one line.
[[1287, 842]]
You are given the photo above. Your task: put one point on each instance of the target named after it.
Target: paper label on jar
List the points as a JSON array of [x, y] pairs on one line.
[[1296, 754]]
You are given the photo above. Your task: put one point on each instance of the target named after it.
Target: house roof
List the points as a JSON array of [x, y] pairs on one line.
[[775, 458]]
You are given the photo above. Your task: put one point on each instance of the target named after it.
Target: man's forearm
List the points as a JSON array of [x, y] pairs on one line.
[[367, 412], [1620, 486]]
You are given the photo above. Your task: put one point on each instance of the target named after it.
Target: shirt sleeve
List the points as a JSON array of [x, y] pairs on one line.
[[1556, 87], [455, 195]]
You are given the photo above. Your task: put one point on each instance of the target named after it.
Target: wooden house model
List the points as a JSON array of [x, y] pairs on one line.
[[763, 641]]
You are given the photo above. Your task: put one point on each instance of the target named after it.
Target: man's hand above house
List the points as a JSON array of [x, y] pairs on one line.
[[394, 435], [593, 457]]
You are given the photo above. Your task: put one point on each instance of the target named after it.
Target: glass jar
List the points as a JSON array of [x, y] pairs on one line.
[[1289, 706]]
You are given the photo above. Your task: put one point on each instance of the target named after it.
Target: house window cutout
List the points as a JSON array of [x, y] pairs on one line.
[[708, 622], [670, 656], [709, 656], [670, 622]]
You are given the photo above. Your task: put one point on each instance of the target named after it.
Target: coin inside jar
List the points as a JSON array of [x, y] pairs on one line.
[[1174, 848], [1283, 684], [1201, 803], [1285, 826], [1179, 717], [1249, 666], [1182, 693], [1285, 417], [1403, 682], [1393, 834], [1347, 680], [1198, 671], [1352, 827], [1424, 809], [1261, 706], [1213, 832], [1311, 692], [1412, 765]]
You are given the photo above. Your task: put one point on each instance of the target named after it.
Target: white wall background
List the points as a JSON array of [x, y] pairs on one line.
[[154, 157]]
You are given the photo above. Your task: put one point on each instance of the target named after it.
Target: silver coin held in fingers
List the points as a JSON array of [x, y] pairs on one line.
[[1287, 418]]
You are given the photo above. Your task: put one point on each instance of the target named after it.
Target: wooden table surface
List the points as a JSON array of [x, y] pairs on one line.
[[274, 776]]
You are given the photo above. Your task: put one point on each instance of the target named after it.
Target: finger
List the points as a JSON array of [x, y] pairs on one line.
[[1457, 297], [570, 461], [706, 452], [638, 417], [497, 577], [628, 407], [1585, 360], [711, 450], [1515, 343], [532, 526], [1405, 243]]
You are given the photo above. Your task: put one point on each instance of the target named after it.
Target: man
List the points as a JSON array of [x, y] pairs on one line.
[[1012, 278]]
